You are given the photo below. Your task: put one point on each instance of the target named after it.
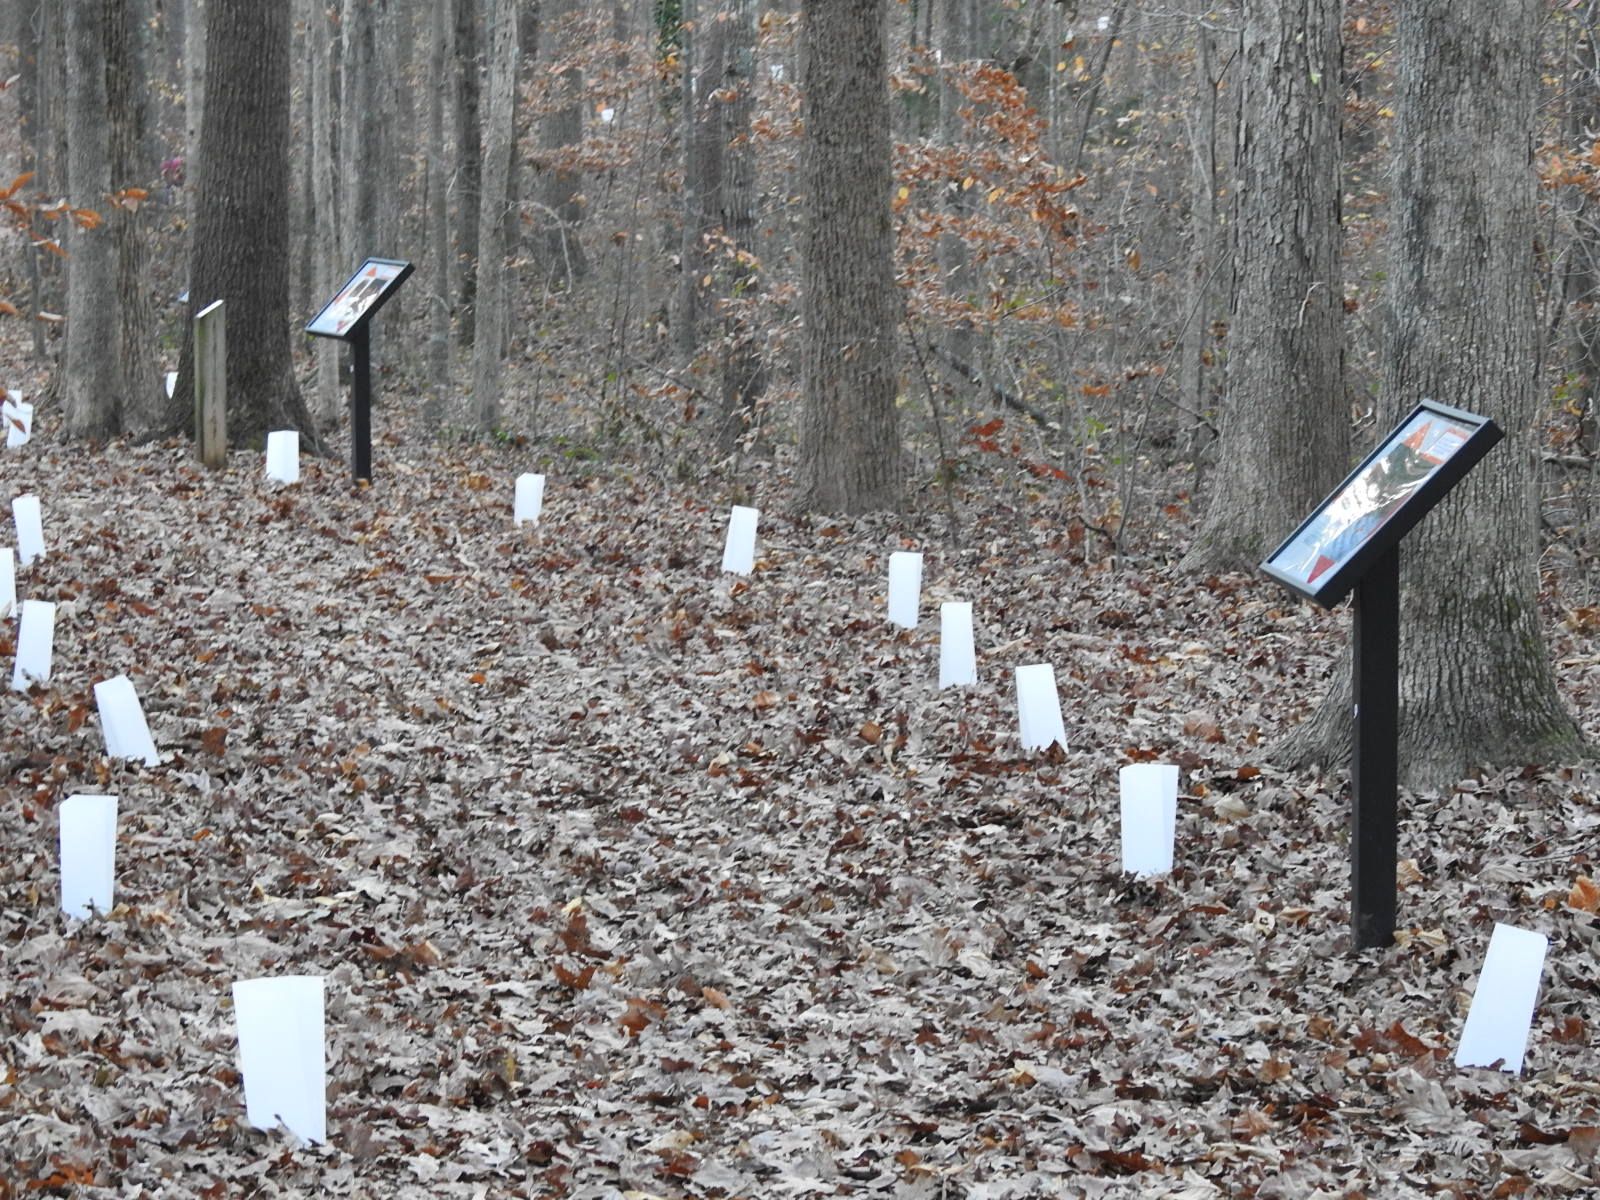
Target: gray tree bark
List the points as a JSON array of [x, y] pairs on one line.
[[438, 213], [194, 92], [1285, 424], [90, 396], [849, 428], [744, 372], [469, 164], [500, 122], [1476, 686], [329, 262], [561, 255], [704, 38]]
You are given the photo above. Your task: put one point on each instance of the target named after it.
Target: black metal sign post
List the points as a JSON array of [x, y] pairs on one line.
[[347, 317], [1352, 541]]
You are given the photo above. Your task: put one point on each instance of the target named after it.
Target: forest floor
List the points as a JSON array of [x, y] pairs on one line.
[[631, 878]]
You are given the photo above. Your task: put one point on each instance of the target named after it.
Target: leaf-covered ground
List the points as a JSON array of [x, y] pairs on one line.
[[631, 878]]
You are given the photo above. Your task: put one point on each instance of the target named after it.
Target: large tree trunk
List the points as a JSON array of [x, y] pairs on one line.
[[1476, 685], [1285, 426], [144, 402], [497, 151], [90, 397], [241, 235], [849, 429]]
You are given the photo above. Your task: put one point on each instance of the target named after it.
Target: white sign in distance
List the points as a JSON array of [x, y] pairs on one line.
[[122, 721], [36, 635], [958, 663], [283, 456], [905, 588], [282, 1054], [1496, 1032], [529, 500], [1149, 817], [29, 520], [1039, 708], [88, 854], [739, 553]]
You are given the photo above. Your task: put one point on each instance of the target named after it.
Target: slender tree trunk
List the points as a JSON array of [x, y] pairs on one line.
[[744, 374], [469, 165], [358, 115], [438, 201], [1476, 686], [702, 177], [955, 263], [330, 264], [1285, 428], [241, 233], [194, 92], [849, 428], [90, 398], [562, 256], [28, 31], [1200, 306], [144, 403], [497, 153]]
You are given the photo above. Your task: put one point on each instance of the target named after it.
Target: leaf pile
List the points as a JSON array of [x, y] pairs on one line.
[[632, 879]]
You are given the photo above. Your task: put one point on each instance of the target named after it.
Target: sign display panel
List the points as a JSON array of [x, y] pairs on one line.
[[360, 298]]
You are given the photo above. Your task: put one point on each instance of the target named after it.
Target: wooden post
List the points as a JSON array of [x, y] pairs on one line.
[[211, 385]]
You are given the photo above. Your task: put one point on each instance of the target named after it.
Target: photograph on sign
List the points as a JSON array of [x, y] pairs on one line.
[[362, 294], [1409, 472]]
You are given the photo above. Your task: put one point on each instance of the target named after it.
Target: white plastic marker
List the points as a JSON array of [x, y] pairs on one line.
[[19, 420], [1039, 708], [30, 528], [530, 498], [957, 662], [283, 456], [36, 635], [905, 588], [88, 854], [1149, 817], [8, 582], [1502, 1006], [281, 1054], [172, 383], [122, 721], [739, 555]]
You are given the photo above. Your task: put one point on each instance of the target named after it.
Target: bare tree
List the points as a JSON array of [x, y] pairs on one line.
[[488, 343]]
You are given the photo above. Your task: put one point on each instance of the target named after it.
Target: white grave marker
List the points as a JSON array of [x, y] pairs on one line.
[[530, 498], [88, 854], [905, 588], [1039, 708], [282, 1055], [8, 583], [172, 383], [957, 662], [122, 721], [739, 555], [1502, 1006], [30, 528], [283, 456], [35, 644], [18, 419], [1149, 817]]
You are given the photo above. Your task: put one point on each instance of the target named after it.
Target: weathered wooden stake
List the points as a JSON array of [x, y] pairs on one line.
[[211, 385]]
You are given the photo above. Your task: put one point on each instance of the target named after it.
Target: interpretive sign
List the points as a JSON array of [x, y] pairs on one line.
[[1380, 501], [1351, 541], [347, 317]]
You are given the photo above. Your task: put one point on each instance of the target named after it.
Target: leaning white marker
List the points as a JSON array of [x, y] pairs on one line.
[[88, 854], [281, 1054], [8, 582], [1039, 708], [36, 634], [1496, 1033], [172, 383], [283, 456], [1149, 817], [957, 662], [19, 421], [905, 588], [530, 499], [122, 721], [30, 528], [739, 554]]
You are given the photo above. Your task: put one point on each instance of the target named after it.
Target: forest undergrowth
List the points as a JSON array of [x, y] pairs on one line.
[[631, 878]]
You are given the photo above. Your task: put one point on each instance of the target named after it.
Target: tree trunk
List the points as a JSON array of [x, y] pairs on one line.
[[330, 264], [1476, 685], [1200, 303], [1285, 428], [849, 428], [562, 256], [241, 235], [497, 152], [358, 124], [744, 372], [955, 263], [27, 28], [90, 397], [194, 92], [144, 402], [703, 54], [438, 216], [469, 165]]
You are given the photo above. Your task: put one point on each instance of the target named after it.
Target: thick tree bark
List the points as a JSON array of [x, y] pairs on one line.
[[90, 396], [1285, 426], [1476, 686], [497, 151], [144, 402], [241, 236], [849, 428]]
